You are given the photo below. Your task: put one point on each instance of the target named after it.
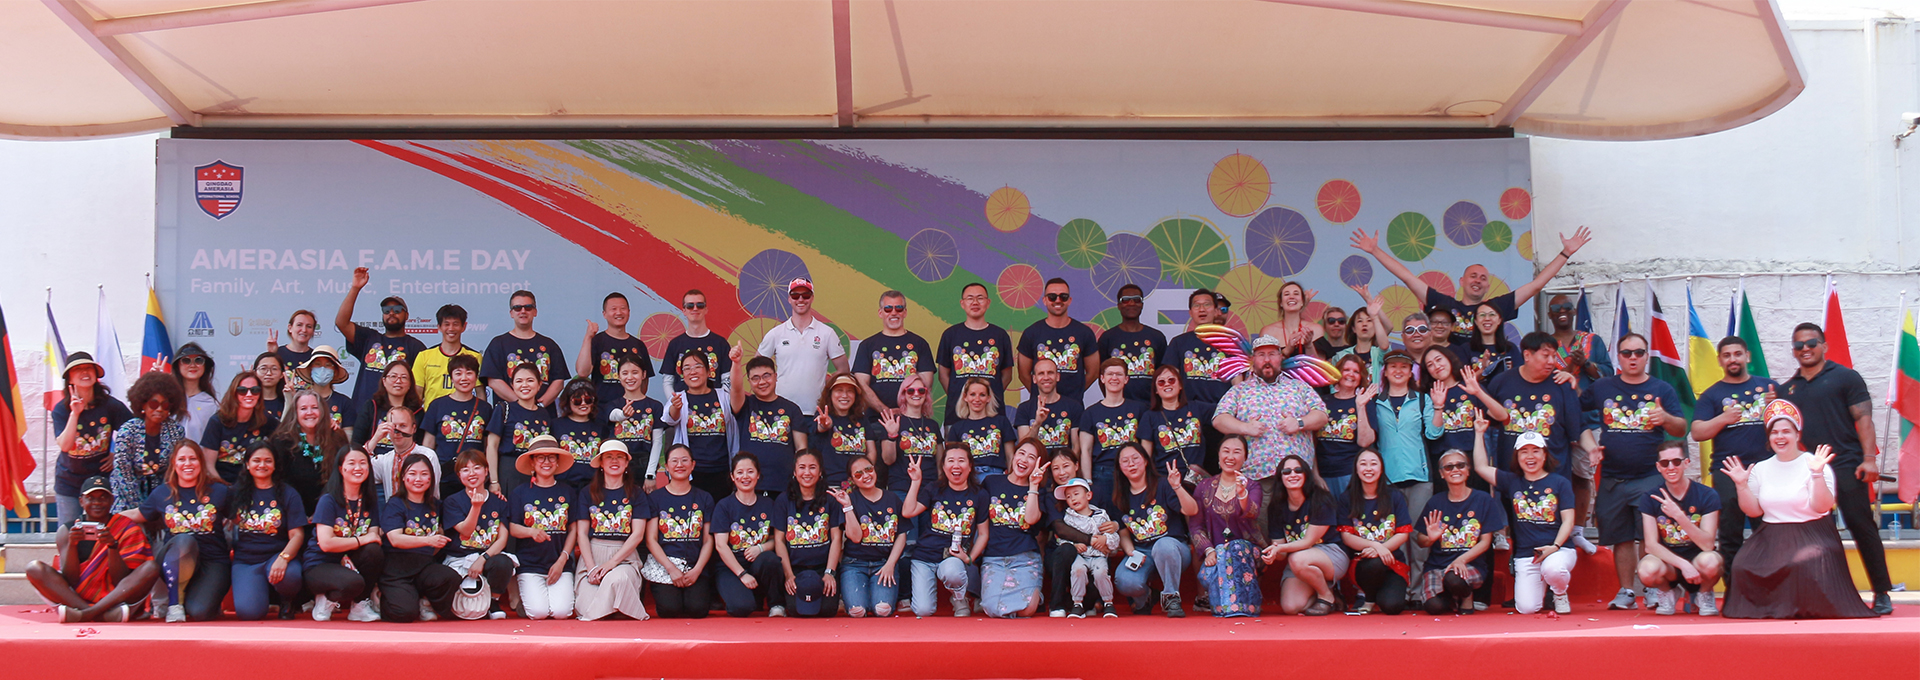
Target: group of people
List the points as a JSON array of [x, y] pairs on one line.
[[808, 482]]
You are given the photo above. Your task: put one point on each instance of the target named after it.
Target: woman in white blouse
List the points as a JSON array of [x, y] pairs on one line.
[[1793, 566]]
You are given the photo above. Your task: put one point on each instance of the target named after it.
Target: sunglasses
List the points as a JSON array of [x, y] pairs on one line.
[[1562, 307], [800, 296], [1670, 462], [583, 401], [1059, 297], [1336, 321], [916, 392], [893, 309], [521, 308], [394, 309], [1131, 298], [1806, 344], [1416, 329], [248, 390], [1293, 471], [192, 361], [157, 405], [1453, 467], [1634, 353], [1167, 382]]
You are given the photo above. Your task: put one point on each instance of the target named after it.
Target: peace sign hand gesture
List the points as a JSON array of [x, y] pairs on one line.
[[1668, 506], [1173, 474], [913, 468]]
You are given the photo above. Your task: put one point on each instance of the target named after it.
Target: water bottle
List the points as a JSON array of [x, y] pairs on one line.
[[955, 546], [1896, 527]]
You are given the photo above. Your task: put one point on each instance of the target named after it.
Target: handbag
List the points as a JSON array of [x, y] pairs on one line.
[[653, 572]]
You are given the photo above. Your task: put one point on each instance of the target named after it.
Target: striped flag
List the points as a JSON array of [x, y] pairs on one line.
[[16, 461], [1665, 364], [156, 351], [1740, 323], [106, 350], [1835, 328], [1906, 402], [1703, 362], [56, 351]]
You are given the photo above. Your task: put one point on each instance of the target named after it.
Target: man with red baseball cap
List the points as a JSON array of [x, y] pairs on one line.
[[802, 349]]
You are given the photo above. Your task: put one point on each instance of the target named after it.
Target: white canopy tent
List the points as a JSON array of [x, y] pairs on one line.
[[1590, 69]]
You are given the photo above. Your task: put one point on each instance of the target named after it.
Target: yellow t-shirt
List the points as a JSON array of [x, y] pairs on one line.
[[430, 372]]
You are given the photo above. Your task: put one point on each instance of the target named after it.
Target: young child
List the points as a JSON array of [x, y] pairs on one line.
[[1092, 563]]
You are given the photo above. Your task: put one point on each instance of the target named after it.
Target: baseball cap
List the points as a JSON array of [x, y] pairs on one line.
[[1060, 492], [1260, 341], [1529, 439], [798, 284], [95, 483], [809, 593]]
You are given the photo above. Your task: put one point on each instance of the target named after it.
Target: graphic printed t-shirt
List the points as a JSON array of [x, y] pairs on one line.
[[986, 440], [712, 347], [950, 512], [1007, 533], [1062, 416], [1746, 439], [517, 426], [882, 523], [1699, 501], [607, 351], [582, 439], [1067, 347], [919, 437], [1378, 519], [636, 431], [808, 533], [1339, 441], [1287, 524], [1141, 350], [507, 351], [766, 431], [486, 528], [201, 517], [1536, 508], [419, 520], [1197, 361], [1546, 407], [744, 525], [1628, 430], [1179, 433], [1112, 427], [456, 426], [847, 441], [890, 361], [707, 430], [260, 530], [616, 517], [1465, 522], [549, 509], [1463, 330], [1153, 513], [229, 445], [375, 351], [92, 441], [974, 354], [681, 521], [348, 520]]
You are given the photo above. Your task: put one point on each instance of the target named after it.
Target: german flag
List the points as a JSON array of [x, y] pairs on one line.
[[16, 462]]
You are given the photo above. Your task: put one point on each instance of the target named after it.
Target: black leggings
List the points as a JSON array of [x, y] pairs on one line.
[[410, 577], [198, 587], [1384, 587], [692, 602], [1454, 588], [343, 585], [498, 572]]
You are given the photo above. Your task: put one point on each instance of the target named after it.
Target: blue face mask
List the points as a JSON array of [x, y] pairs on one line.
[[322, 374]]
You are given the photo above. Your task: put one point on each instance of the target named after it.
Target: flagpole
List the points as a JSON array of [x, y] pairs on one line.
[[1893, 376], [46, 428]]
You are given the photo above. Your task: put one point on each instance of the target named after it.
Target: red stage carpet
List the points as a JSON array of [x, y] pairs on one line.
[[1590, 643]]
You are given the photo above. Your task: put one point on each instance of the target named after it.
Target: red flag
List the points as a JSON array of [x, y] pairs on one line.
[[1836, 328], [16, 462]]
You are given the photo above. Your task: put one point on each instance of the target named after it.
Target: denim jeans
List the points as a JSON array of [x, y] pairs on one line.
[[1338, 485], [1010, 585], [860, 588], [950, 573], [1168, 557], [251, 591]]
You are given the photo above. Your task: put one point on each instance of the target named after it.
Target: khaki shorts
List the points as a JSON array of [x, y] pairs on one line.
[[1582, 460]]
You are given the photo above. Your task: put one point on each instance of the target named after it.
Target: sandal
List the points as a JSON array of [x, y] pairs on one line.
[[1319, 607]]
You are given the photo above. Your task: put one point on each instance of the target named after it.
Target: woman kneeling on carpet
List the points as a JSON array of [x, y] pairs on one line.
[[191, 511], [270, 525], [479, 521], [415, 585], [1376, 526], [679, 547], [953, 538], [1457, 528], [1542, 505], [611, 526], [542, 514], [1153, 535], [1226, 536], [1010, 566], [345, 560], [743, 534], [1300, 534], [807, 538], [1793, 566]]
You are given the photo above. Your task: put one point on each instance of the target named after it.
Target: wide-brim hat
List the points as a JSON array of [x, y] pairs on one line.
[[305, 371], [543, 444], [609, 446], [78, 359]]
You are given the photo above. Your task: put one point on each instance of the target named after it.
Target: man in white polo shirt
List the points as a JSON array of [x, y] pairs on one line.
[[802, 348]]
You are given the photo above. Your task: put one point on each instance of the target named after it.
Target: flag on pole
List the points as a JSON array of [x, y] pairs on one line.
[[1583, 315], [106, 350], [156, 351], [1905, 400], [1665, 364], [1740, 324], [56, 351], [1703, 361], [1835, 327], [1620, 319], [16, 462]]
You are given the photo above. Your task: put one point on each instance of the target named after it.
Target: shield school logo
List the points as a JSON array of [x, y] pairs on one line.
[[216, 186]]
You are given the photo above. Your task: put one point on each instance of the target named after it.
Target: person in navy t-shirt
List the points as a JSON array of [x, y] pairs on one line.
[[1728, 414], [1062, 339], [1300, 532], [1637, 412], [1541, 503], [1678, 525], [1135, 343], [1457, 528]]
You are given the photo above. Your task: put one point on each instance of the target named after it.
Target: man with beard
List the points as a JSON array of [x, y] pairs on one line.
[[375, 351], [1063, 339], [1728, 414], [805, 348], [1133, 342], [1839, 413], [1277, 413], [1474, 283]]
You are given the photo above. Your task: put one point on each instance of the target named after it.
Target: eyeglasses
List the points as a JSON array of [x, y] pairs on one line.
[[1059, 297], [1633, 353], [1293, 471], [893, 309], [1454, 467], [695, 305], [797, 295], [915, 392], [1131, 298], [1806, 344], [396, 377], [522, 308], [192, 361], [1562, 307], [1416, 329], [1670, 462], [1336, 321], [863, 472], [760, 377], [248, 390], [394, 309]]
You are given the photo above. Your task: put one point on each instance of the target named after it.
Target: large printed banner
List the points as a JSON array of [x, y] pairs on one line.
[[249, 231]]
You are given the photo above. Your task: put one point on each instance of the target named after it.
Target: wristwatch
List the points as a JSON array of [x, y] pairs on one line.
[[829, 573], [1300, 423]]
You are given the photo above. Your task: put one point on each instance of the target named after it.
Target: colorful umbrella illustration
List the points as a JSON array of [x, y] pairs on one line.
[[657, 331], [1338, 201], [1130, 259], [1008, 209], [1239, 185], [1516, 203], [931, 255], [1192, 252], [1356, 270], [1497, 236], [1463, 222], [1081, 243], [1254, 294], [1410, 236], [764, 279], [748, 335], [1279, 241], [1524, 245], [1020, 286]]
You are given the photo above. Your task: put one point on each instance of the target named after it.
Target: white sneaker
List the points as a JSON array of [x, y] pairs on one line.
[[1057, 614], [1703, 601], [960, 608], [1663, 600], [323, 608], [1622, 599], [1580, 541], [1500, 542], [363, 612], [1561, 604], [176, 613], [776, 612], [426, 611]]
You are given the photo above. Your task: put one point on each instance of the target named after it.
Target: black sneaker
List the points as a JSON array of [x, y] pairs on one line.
[[1141, 606], [1078, 611], [1201, 604], [1107, 612], [1170, 603]]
